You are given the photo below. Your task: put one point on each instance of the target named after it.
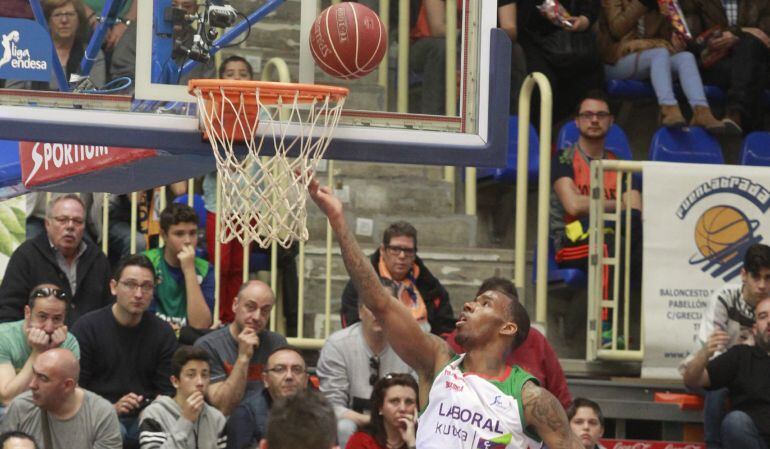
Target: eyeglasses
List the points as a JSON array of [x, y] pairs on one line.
[[297, 370], [146, 287], [374, 365], [397, 250], [63, 220], [589, 115], [64, 15], [47, 292]]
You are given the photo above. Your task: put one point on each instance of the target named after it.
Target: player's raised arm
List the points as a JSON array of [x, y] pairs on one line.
[[422, 351], [544, 413]]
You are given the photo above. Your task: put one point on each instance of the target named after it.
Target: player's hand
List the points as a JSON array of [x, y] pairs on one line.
[[38, 339], [759, 34], [187, 259], [58, 336], [248, 341], [325, 199], [578, 24], [193, 406], [406, 427], [128, 403], [717, 341]]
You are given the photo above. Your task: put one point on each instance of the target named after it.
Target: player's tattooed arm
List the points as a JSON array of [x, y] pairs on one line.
[[544, 413]]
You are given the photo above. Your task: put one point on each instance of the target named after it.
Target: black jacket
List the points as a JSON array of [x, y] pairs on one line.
[[34, 263], [440, 314]]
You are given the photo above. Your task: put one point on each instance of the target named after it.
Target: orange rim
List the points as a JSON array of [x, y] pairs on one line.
[[269, 91]]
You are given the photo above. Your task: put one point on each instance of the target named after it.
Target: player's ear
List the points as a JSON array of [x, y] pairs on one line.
[[509, 328]]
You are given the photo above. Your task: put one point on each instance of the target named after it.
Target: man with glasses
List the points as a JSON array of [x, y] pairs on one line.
[[396, 260], [59, 255], [352, 360], [284, 375], [125, 350], [21, 342]]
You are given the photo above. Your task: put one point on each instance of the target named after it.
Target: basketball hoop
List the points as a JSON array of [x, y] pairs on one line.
[[264, 196]]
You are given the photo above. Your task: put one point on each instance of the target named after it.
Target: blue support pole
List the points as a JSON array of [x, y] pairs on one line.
[[107, 20], [58, 70]]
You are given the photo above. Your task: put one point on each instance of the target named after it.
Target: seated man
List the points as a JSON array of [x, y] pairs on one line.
[[317, 428], [60, 413], [351, 362], [239, 351], [185, 420], [396, 260], [184, 295], [743, 371], [22, 342], [285, 375], [535, 355], [728, 321], [125, 350], [59, 253], [587, 422]]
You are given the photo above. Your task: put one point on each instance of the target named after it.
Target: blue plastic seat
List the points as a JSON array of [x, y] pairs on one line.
[[10, 166], [756, 149], [629, 89], [689, 145], [616, 141], [508, 174]]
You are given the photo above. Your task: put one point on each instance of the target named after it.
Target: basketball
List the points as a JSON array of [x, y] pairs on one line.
[[348, 40], [719, 228]]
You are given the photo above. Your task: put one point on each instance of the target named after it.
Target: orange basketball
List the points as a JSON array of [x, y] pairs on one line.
[[719, 228], [348, 40]]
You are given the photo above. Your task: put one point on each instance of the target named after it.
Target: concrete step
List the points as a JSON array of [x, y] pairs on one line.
[[369, 170]]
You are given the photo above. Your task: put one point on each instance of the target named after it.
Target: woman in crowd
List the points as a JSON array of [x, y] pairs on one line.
[[394, 415], [68, 25], [587, 422], [637, 42]]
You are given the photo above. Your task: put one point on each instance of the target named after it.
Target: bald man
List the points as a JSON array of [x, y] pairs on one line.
[[74, 417], [239, 351]]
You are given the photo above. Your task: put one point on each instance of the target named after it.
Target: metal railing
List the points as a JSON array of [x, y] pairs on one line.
[[619, 218]]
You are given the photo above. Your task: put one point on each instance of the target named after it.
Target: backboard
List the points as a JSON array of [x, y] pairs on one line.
[[379, 123]]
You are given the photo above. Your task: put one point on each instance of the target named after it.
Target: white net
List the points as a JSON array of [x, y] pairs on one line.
[[263, 197]]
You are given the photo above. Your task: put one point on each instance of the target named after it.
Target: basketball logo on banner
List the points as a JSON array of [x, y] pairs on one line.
[[724, 230]]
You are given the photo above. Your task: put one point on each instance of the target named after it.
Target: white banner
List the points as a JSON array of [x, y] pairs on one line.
[[698, 222]]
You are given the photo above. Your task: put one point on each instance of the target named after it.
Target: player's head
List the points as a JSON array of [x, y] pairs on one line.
[[756, 273], [236, 68], [252, 306], [179, 227], [66, 19], [587, 422], [594, 118], [399, 249], [303, 420], [190, 371], [285, 373], [394, 398], [46, 307], [493, 316], [499, 284]]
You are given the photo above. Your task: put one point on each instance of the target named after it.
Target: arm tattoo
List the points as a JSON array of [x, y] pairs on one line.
[[543, 411], [361, 271]]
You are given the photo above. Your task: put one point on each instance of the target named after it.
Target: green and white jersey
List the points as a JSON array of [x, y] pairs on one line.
[[468, 411]]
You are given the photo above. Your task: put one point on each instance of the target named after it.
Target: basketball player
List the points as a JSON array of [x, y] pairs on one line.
[[469, 401]]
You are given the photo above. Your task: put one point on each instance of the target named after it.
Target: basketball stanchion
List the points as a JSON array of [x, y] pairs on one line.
[[265, 203]]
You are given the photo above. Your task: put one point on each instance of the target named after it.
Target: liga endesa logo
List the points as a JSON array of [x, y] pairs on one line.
[[25, 50], [18, 57], [724, 230]]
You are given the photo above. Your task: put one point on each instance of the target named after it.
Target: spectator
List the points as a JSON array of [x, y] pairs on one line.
[[637, 42], [427, 55], [743, 29], [285, 375], [17, 440], [184, 421], [587, 422], [396, 260], [235, 67], [743, 371], [240, 350], [58, 412], [317, 428], [22, 342], [184, 295], [535, 355], [59, 254], [123, 62], [393, 426], [571, 75], [728, 321], [68, 24], [126, 350], [37, 204], [351, 362], [126, 18]]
